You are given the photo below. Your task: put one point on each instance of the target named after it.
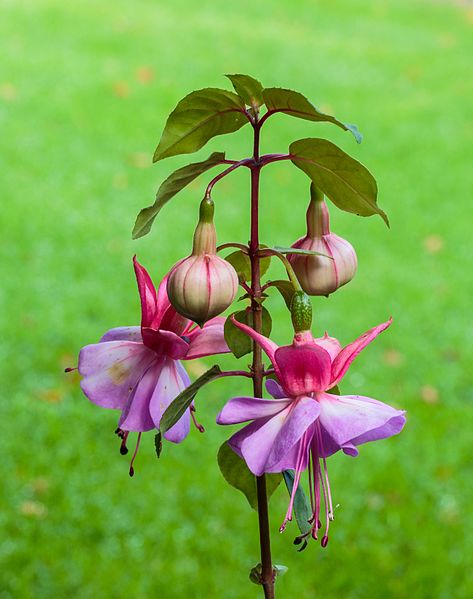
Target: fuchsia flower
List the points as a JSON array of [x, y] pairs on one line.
[[137, 369], [305, 424]]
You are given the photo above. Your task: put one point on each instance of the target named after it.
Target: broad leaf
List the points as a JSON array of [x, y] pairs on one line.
[[198, 117], [342, 179], [179, 405], [242, 264], [237, 474], [286, 289], [295, 104], [169, 188], [249, 89], [238, 341], [301, 507]]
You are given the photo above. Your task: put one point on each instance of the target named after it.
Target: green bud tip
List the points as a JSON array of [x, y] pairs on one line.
[[206, 212], [301, 312]]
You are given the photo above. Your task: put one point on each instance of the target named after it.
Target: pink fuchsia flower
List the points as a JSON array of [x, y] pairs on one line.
[[322, 275], [304, 423], [138, 370]]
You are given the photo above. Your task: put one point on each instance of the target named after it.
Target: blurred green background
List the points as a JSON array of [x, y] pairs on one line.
[[85, 88]]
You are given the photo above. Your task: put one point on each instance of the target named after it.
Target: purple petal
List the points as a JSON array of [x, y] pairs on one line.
[[304, 369], [123, 334], [351, 420], [348, 354], [136, 415], [165, 343], [275, 389], [207, 341], [242, 409], [266, 442], [111, 370], [172, 380]]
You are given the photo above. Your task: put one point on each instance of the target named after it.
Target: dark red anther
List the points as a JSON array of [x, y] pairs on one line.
[[324, 541], [69, 369], [131, 472]]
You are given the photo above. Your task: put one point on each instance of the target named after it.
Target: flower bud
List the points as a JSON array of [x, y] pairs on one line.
[[202, 285], [320, 275]]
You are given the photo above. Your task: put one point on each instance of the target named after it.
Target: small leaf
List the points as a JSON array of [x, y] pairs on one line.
[[300, 251], [285, 288], [158, 443], [198, 117], [169, 188], [279, 569], [242, 264], [249, 89], [345, 181], [238, 475], [179, 405], [301, 508], [239, 342], [295, 104]]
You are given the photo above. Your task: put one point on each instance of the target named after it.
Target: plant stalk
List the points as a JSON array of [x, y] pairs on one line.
[[267, 578]]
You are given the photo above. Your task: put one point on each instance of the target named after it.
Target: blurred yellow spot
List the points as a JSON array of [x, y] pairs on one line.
[[120, 181], [8, 92], [429, 394], [447, 40], [140, 159], [144, 74], [33, 509], [433, 244], [393, 357], [413, 72], [51, 395], [196, 367], [40, 485], [121, 89]]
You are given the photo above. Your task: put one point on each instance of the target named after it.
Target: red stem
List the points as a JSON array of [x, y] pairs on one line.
[[267, 577]]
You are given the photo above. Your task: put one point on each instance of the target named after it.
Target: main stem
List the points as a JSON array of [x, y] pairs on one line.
[[263, 518]]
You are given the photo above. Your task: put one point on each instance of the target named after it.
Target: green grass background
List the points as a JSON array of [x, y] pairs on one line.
[[85, 88]]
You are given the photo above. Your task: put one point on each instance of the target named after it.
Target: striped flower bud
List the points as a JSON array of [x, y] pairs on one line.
[[320, 275], [202, 285]]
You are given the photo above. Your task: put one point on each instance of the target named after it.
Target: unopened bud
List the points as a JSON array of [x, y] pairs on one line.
[[202, 285], [301, 312], [321, 275]]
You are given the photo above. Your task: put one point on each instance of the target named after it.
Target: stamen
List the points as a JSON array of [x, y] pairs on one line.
[[132, 470], [123, 447], [70, 369], [197, 425], [300, 458]]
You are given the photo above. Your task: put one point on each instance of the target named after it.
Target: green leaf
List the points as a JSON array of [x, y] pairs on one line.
[[295, 104], [342, 179], [242, 264], [282, 250], [169, 188], [158, 443], [249, 89], [198, 117], [301, 507], [179, 405], [285, 288], [238, 341], [237, 474]]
